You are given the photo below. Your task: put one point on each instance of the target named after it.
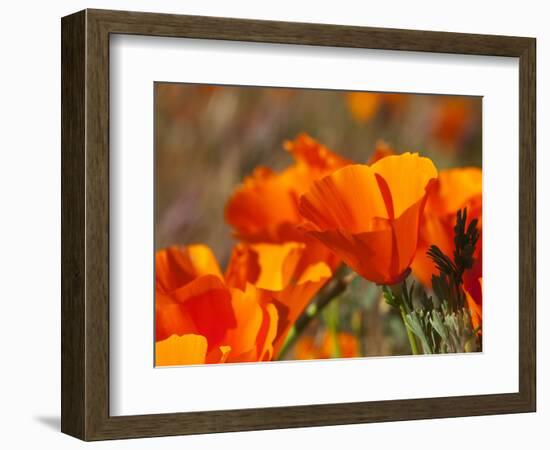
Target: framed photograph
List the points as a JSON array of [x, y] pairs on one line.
[[273, 225]]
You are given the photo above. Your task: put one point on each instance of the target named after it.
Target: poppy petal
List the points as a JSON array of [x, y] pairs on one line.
[[407, 177], [249, 317], [347, 199], [181, 350]]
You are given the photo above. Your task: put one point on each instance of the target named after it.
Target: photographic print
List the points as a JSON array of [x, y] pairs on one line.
[[299, 224]]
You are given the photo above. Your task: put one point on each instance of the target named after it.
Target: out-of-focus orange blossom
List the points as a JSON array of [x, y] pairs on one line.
[[370, 216], [310, 348], [452, 120], [364, 106], [381, 150]]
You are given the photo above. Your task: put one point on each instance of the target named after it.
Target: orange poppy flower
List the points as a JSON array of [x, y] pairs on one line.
[[265, 207], [364, 106], [200, 319], [309, 348], [370, 216], [456, 189], [242, 316], [288, 274]]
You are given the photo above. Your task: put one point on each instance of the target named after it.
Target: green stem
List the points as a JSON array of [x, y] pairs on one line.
[[399, 292], [330, 291], [410, 334]]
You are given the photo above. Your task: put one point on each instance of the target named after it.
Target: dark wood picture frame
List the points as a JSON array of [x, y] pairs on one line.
[[85, 224]]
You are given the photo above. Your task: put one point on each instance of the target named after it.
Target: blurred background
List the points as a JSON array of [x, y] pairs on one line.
[[208, 138]]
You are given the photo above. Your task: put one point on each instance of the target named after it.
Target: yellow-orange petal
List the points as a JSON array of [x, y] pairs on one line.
[[277, 264], [268, 333], [249, 316], [407, 177], [181, 350]]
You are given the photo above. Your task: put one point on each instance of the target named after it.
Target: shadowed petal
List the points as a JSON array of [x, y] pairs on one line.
[[347, 199], [177, 266]]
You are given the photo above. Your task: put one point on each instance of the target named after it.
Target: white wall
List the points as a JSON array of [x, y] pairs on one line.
[[30, 221]]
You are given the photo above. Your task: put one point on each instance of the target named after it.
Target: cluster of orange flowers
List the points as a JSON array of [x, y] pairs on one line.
[[295, 228]]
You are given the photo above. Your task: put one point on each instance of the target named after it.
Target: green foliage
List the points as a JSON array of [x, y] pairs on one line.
[[441, 323], [447, 285], [465, 242]]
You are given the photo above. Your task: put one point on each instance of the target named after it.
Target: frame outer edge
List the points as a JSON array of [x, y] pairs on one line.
[[527, 233], [85, 225], [73, 225], [307, 33], [96, 243]]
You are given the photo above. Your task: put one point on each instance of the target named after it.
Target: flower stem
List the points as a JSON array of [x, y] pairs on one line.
[[330, 291], [410, 335], [399, 292]]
